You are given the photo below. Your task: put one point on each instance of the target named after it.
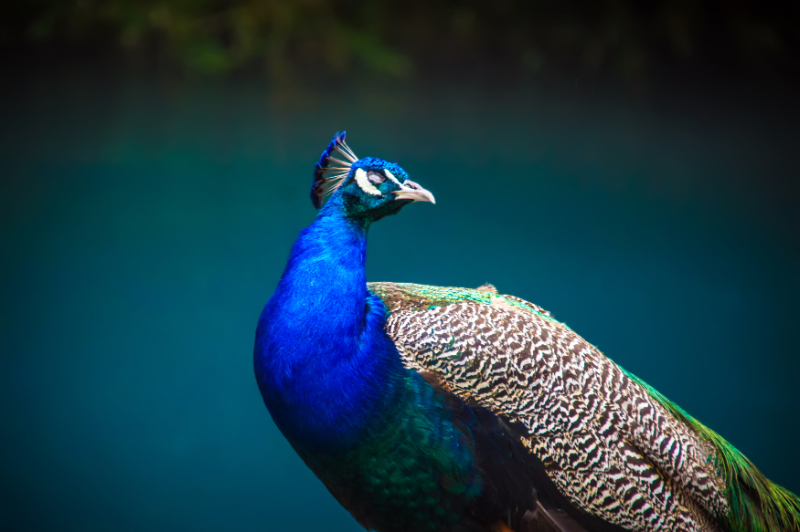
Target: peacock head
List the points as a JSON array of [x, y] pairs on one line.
[[367, 188]]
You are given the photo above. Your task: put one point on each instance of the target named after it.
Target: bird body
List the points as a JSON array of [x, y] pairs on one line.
[[369, 419], [461, 410]]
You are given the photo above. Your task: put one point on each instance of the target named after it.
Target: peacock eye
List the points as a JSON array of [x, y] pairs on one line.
[[376, 178]]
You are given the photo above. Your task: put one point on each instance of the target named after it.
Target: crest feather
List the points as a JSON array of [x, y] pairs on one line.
[[330, 172]]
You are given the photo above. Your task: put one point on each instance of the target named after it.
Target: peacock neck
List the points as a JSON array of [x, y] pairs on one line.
[[323, 362], [325, 275]]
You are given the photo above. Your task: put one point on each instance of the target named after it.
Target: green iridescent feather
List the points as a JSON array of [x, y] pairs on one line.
[[757, 505], [405, 467], [426, 296]]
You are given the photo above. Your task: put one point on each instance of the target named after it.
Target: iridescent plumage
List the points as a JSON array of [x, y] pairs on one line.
[[611, 443], [452, 409]]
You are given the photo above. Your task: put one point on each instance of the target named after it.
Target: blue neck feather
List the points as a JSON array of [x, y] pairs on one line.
[[325, 367]]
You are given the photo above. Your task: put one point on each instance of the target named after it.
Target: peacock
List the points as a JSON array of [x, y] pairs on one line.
[[425, 408]]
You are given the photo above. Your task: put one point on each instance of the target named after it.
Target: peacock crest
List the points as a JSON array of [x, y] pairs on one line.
[[330, 172]]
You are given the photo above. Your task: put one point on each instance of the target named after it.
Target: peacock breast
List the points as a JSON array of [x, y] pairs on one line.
[[415, 471]]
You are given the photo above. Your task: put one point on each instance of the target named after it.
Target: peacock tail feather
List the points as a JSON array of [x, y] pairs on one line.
[[608, 441], [756, 504]]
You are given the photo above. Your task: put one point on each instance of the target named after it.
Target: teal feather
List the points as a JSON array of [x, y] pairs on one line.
[[392, 481]]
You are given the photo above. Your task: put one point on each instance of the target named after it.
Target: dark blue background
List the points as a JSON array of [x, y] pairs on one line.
[[144, 226]]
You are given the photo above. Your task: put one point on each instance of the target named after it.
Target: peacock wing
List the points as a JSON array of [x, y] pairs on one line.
[[610, 449]]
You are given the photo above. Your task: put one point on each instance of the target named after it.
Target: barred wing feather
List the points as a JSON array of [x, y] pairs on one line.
[[609, 446]]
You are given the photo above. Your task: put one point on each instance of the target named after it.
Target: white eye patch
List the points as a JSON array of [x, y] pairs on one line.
[[363, 181], [392, 177]]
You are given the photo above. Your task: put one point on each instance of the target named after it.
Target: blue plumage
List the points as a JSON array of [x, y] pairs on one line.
[[395, 449], [317, 324], [458, 410], [334, 384]]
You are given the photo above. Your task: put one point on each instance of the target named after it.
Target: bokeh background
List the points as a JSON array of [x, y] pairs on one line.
[[631, 167]]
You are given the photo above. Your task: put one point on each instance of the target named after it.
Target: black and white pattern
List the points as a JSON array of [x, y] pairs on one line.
[[608, 446]]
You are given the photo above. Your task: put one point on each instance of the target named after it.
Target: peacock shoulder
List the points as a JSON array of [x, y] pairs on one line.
[[607, 443]]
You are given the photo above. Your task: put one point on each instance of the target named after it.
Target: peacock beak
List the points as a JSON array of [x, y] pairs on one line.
[[414, 192]]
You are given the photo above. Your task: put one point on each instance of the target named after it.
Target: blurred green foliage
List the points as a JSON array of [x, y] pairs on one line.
[[285, 39]]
